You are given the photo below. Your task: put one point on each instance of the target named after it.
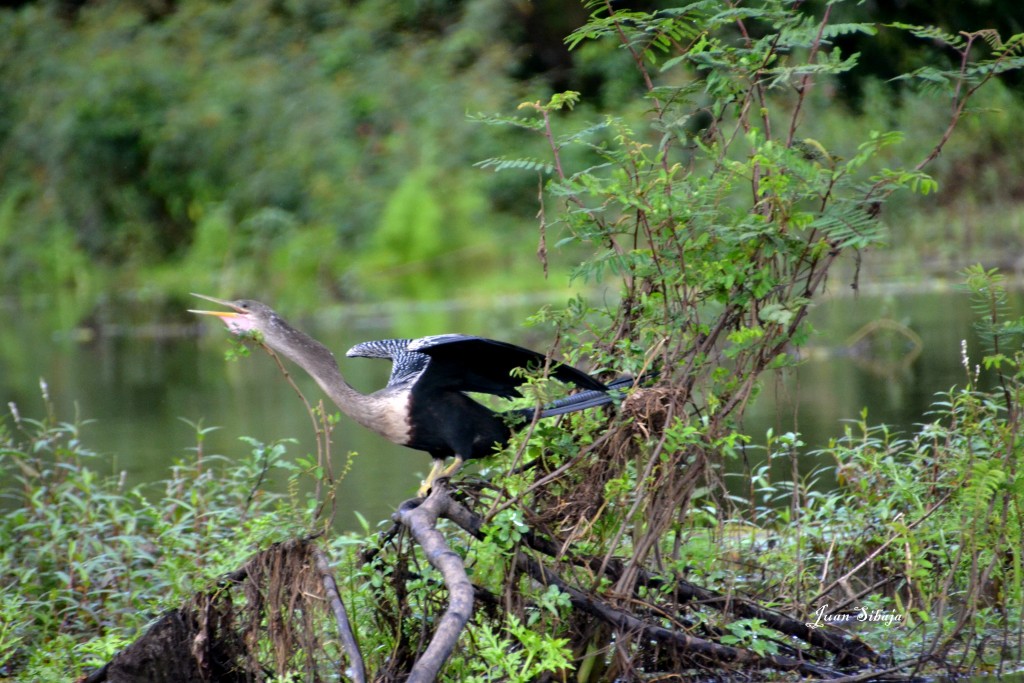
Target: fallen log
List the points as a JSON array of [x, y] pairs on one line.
[[211, 639], [176, 648]]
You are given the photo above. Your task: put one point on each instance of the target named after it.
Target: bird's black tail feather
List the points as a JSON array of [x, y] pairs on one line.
[[591, 398]]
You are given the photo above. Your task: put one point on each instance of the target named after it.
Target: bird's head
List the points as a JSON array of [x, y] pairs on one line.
[[244, 317], [248, 317]]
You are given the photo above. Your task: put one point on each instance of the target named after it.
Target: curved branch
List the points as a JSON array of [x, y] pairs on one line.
[[421, 518], [357, 671]]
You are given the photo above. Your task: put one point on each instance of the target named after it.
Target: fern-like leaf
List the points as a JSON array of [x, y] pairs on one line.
[[849, 225], [833, 30], [518, 164], [532, 124], [930, 33], [1012, 46]]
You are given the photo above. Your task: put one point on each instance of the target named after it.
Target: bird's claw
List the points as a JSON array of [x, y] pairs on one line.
[[427, 487]]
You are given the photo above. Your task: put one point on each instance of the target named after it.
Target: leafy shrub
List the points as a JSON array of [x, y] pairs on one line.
[[87, 562]]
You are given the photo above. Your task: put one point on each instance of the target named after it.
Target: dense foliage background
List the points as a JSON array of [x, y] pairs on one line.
[[308, 150]]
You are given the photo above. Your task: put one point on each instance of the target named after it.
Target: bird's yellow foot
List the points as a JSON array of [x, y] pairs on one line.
[[439, 471], [426, 484], [450, 471]]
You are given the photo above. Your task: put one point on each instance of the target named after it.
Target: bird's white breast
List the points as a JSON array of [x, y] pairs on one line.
[[389, 416]]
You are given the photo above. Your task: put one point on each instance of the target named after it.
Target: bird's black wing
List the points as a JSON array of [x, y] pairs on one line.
[[406, 365], [379, 348], [463, 363]]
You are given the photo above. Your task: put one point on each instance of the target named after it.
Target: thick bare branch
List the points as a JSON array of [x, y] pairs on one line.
[[421, 519]]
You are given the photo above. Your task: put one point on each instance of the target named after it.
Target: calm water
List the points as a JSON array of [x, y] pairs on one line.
[[136, 376]]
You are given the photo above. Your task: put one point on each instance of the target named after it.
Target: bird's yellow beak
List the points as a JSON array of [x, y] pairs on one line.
[[238, 320], [233, 313]]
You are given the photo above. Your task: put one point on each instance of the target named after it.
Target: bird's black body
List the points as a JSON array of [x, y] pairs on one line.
[[474, 433], [438, 371], [425, 405]]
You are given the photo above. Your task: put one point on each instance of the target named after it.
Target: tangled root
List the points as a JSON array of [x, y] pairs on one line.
[[275, 624]]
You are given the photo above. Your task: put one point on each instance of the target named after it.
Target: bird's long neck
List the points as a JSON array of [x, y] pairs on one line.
[[385, 412], [317, 360]]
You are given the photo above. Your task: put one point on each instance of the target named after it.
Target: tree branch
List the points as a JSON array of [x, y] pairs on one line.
[[357, 670], [421, 519]]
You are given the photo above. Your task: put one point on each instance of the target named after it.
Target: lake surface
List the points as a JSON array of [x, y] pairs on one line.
[[137, 374]]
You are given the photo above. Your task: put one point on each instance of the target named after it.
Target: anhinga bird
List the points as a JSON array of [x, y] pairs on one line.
[[424, 405]]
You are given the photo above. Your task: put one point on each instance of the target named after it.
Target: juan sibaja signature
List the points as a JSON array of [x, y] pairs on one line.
[[823, 616]]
